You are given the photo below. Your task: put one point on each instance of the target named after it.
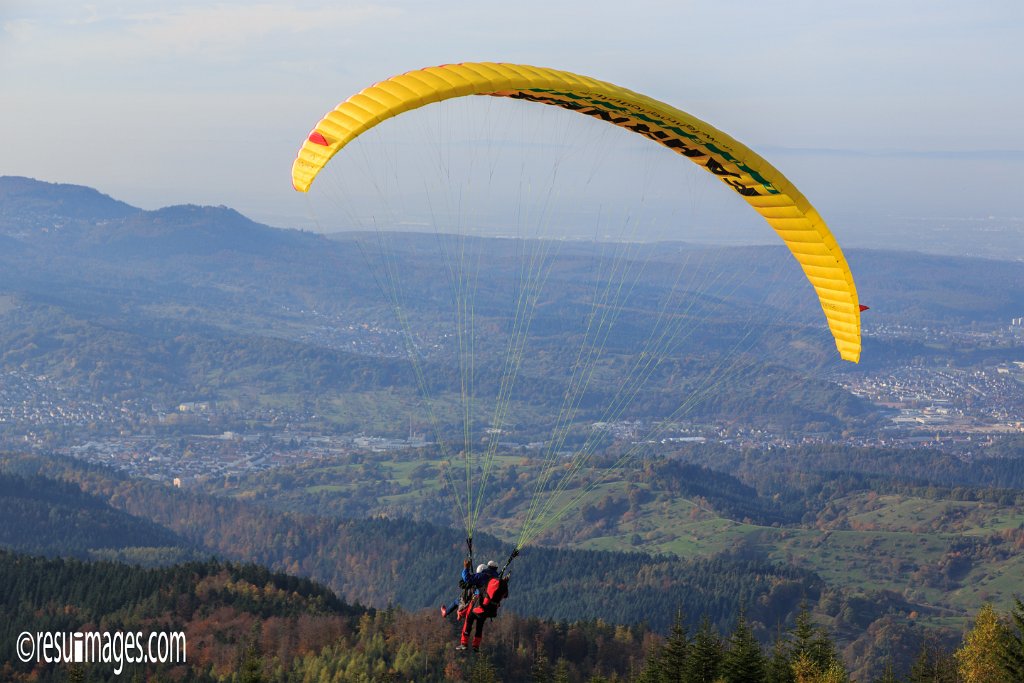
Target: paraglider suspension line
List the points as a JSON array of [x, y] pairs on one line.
[[514, 555]]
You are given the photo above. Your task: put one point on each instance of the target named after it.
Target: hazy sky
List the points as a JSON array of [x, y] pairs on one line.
[[883, 112]]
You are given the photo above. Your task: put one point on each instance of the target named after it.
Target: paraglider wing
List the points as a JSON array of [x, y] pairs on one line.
[[759, 184]]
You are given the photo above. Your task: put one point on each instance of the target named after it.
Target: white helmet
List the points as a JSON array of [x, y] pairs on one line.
[[480, 568], [492, 564]]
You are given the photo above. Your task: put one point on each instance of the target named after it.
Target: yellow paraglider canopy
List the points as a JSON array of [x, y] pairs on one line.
[[758, 182]]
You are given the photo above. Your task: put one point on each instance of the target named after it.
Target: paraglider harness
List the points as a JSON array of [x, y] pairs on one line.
[[490, 599]]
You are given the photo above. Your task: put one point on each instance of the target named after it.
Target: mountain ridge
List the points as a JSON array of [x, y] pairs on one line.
[[50, 214]]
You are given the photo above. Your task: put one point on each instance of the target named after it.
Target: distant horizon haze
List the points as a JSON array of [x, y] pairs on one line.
[[943, 236], [900, 122]]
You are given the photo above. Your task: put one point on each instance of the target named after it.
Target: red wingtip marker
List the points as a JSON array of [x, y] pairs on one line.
[[317, 138]]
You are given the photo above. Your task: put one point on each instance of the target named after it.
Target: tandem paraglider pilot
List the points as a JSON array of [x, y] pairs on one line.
[[482, 594]]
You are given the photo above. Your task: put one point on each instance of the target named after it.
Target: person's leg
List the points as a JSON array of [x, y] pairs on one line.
[[466, 625], [479, 635]]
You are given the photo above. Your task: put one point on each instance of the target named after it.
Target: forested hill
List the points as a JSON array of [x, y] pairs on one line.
[[25, 201], [57, 216], [382, 561], [224, 609], [51, 517]]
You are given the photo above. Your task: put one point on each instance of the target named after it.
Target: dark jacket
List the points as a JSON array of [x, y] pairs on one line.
[[480, 580]]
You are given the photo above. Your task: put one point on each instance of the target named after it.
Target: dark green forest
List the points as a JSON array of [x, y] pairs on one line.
[[245, 623], [53, 517]]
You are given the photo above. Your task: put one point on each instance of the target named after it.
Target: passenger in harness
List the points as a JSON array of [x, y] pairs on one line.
[[468, 590], [492, 588]]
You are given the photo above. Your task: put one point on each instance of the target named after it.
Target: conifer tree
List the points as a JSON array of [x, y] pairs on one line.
[[835, 673], [540, 671], [803, 633], [978, 659], [251, 670], [805, 670], [1012, 652], [823, 650], [743, 661], [812, 641], [705, 660], [779, 668], [889, 674], [921, 669], [651, 671], [933, 665], [561, 671], [482, 671], [672, 659]]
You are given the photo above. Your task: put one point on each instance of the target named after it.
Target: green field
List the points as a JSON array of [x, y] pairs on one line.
[[944, 556]]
